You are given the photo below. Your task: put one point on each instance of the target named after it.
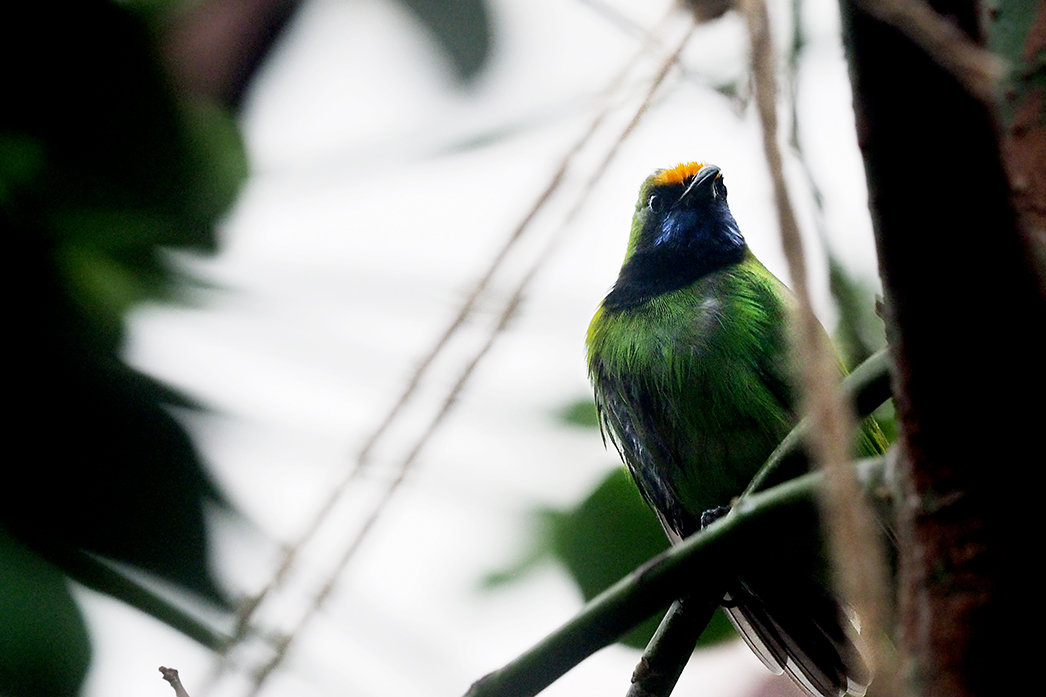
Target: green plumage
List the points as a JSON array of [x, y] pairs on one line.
[[690, 365], [707, 364]]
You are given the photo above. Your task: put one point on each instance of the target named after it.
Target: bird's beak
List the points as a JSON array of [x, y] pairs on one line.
[[705, 175]]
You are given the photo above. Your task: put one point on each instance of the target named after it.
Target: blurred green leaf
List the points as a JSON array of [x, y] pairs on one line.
[[1008, 24], [216, 164], [118, 475], [886, 417], [102, 168], [21, 160], [44, 648], [580, 413], [462, 30], [859, 331], [600, 541], [104, 162], [607, 536]]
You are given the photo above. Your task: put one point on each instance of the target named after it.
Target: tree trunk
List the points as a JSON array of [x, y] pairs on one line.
[[966, 318]]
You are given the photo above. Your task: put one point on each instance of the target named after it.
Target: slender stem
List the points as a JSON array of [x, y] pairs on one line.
[[507, 313], [867, 387]]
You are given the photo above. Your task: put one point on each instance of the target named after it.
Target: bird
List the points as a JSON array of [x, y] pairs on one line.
[[689, 359]]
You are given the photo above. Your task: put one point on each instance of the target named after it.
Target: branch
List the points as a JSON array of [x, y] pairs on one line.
[[449, 400], [692, 568], [866, 388], [670, 648]]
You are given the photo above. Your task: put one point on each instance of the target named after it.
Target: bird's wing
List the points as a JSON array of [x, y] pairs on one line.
[[628, 419]]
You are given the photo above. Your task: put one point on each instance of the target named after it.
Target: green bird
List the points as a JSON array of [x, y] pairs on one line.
[[688, 355]]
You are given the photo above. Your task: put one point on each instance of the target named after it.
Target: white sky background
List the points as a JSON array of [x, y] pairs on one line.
[[363, 228]]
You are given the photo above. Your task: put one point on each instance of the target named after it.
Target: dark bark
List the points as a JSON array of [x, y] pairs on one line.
[[965, 320], [215, 47]]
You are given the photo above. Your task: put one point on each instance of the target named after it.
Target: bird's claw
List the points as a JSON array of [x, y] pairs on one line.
[[713, 514]]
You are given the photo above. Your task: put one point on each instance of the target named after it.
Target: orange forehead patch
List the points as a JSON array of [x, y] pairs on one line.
[[679, 173]]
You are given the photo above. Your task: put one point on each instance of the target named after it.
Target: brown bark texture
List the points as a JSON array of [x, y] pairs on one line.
[[965, 315]]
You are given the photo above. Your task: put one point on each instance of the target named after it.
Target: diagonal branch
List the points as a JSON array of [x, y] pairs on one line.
[[506, 315], [363, 457], [866, 388], [670, 648], [99, 574], [693, 567]]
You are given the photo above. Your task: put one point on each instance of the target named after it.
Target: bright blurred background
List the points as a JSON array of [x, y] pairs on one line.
[[387, 176]]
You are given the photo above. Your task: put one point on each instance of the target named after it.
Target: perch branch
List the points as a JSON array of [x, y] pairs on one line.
[[684, 569]]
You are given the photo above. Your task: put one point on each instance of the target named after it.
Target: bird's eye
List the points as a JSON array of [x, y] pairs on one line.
[[655, 204]]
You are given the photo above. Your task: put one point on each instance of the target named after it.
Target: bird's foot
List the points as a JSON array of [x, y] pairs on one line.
[[713, 514]]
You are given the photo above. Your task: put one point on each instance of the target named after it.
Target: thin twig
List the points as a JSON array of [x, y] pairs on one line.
[[852, 530], [866, 388], [852, 337], [448, 402], [464, 311], [365, 529], [171, 676]]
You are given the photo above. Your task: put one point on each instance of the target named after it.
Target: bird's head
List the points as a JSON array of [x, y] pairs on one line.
[[682, 230]]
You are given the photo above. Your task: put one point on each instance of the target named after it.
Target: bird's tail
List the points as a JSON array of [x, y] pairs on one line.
[[802, 632]]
